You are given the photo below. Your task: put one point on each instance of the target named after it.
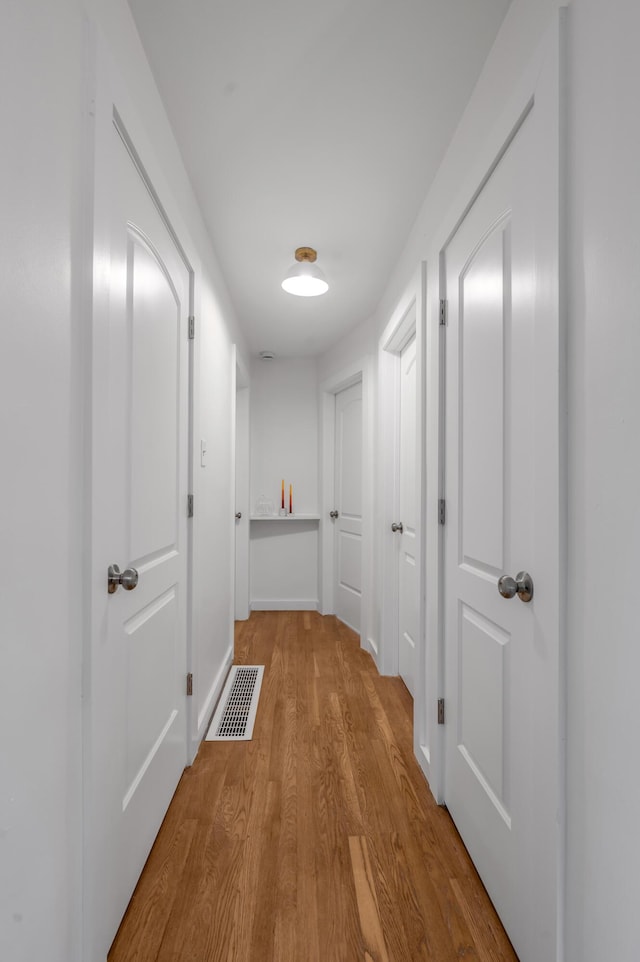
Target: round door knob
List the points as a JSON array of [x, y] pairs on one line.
[[333, 514], [397, 527], [238, 515], [127, 578], [521, 585]]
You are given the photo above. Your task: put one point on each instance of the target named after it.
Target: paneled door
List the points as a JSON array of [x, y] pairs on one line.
[[502, 499], [348, 504], [408, 514], [242, 505], [137, 743]]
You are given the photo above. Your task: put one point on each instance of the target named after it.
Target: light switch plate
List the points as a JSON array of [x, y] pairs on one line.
[[203, 454]]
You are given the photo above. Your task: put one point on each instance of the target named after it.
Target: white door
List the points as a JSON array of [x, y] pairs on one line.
[[242, 505], [348, 504], [501, 475], [137, 695], [408, 515]]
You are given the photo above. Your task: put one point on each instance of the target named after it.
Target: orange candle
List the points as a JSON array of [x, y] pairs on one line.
[[283, 492], [290, 499]]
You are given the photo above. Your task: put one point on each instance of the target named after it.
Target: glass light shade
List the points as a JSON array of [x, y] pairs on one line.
[[305, 280]]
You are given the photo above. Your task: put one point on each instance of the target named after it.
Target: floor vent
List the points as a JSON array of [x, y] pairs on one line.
[[236, 712]]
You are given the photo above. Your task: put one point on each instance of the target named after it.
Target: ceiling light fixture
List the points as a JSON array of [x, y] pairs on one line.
[[305, 278]]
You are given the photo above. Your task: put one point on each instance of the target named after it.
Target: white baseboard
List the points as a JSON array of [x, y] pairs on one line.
[[423, 755], [373, 648], [369, 645], [284, 604], [214, 693]]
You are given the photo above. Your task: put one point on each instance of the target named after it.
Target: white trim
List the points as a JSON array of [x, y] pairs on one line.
[[372, 647], [136, 159], [396, 335], [243, 377], [401, 325], [359, 370], [113, 109], [326, 562], [483, 162], [285, 604], [212, 697], [426, 691], [345, 378], [388, 475], [240, 492], [408, 318], [542, 85], [285, 519], [233, 361]]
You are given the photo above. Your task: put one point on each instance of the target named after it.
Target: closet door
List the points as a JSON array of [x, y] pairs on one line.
[[348, 504]]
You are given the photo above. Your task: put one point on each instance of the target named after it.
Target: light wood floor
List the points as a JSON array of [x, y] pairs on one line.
[[318, 841]]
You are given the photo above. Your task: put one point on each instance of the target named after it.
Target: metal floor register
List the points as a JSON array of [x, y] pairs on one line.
[[235, 715]]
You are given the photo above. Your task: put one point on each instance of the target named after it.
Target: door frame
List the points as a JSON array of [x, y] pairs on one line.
[[240, 435], [359, 370], [542, 85], [408, 319], [111, 106]]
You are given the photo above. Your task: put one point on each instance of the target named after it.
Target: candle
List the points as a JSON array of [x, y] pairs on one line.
[[283, 492], [290, 499]]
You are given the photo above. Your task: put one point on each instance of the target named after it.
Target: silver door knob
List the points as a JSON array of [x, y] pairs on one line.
[[238, 515], [334, 514], [397, 527], [521, 585], [127, 578]]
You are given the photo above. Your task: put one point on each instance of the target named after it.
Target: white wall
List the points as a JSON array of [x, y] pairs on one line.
[[42, 75], [46, 69], [40, 378], [604, 507], [518, 37], [214, 505], [284, 445], [361, 341], [603, 655], [284, 431]]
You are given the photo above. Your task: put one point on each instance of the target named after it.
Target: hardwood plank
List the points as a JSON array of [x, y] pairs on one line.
[[155, 894], [307, 932], [367, 899], [317, 840], [490, 938]]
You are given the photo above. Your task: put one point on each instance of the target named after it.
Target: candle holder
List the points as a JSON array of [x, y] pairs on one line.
[[264, 507], [282, 512]]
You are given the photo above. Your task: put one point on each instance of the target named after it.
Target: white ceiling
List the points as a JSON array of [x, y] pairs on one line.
[[318, 124]]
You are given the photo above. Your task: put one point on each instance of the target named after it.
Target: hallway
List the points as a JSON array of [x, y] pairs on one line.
[[318, 839]]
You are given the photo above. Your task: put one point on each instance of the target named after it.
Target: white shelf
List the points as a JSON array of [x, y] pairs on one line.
[[286, 518]]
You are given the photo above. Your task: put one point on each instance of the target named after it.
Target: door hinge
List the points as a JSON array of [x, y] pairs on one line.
[[189, 506], [441, 711], [442, 511], [443, 312], [190, 683], [192, 327]]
